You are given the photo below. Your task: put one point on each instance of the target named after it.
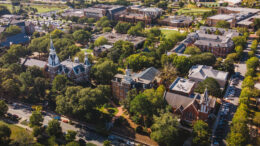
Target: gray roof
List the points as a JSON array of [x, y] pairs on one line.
[[33, 62], [148, 74], [182, 85], [69, 64], [114, 37], [178, 100], [145, 77], [203, 71], [240, 9]]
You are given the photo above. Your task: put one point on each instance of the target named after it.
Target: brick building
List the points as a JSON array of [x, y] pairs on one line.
[[136, 14], [188, 105], [207, 40], [100, 10], [235, 16], [176, 21], [76, 71], [146, 79]]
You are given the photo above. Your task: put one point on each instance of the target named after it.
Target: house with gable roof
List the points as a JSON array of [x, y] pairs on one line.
[[188, 105], [199, 73]]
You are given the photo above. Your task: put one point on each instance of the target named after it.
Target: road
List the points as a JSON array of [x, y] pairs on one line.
[[87, 135], [234, 101]]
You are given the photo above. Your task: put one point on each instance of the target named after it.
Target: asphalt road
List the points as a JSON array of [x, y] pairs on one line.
[[234, 101], [89, 136]]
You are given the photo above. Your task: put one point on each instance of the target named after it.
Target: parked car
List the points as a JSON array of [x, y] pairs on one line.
[[57, 118]]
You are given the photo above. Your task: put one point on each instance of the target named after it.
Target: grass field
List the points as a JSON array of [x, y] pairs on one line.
[[194, 11], [168, 33], [15, 129], [40, 8]]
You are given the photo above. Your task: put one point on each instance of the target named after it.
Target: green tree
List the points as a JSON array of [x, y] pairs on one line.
[[155, 96], [23, 138], [138, 62], [201, 133], [131, 94], [107, 143], [212, 86], [37, 131], [73, 143], [136, 30], [252, 63], [107, 29], [36, 119], [256, 118], [192, 50], [103, 22], [12, 30], [103, 72], [122, 27], [54, 128], [70, 136], [203, 59], [228, 65], [60, 83], [4, 10], [121, 50], [239, 51], [141, 107], [100, 41], [257, 23], [162, 4], [5, 133], [165, 129], [239, 40], [181, 4], [10, 88], [3, 108], [78, 101], [239, 130], [222, 24], [82, 36], [248, 82], [182, 64]]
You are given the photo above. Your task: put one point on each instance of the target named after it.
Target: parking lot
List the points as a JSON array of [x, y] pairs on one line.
[[227, 110]]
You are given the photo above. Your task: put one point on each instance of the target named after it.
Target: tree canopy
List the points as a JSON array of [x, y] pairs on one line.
[[103, 72], [212, 86], [222, 24], [192, 50], [3, 108], [165, 129], [201, 133]]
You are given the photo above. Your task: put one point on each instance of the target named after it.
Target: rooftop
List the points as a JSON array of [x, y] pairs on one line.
[[240, 9], [33, 62], [182, 85], [114, 37], [179, 101], [222, 17], [203, 71], [145, 77]]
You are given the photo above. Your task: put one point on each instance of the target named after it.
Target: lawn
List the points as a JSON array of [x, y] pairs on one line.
[[168, 32], [193, 11], [108, 110], [89, 51], [15, 129], [40, 8]]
